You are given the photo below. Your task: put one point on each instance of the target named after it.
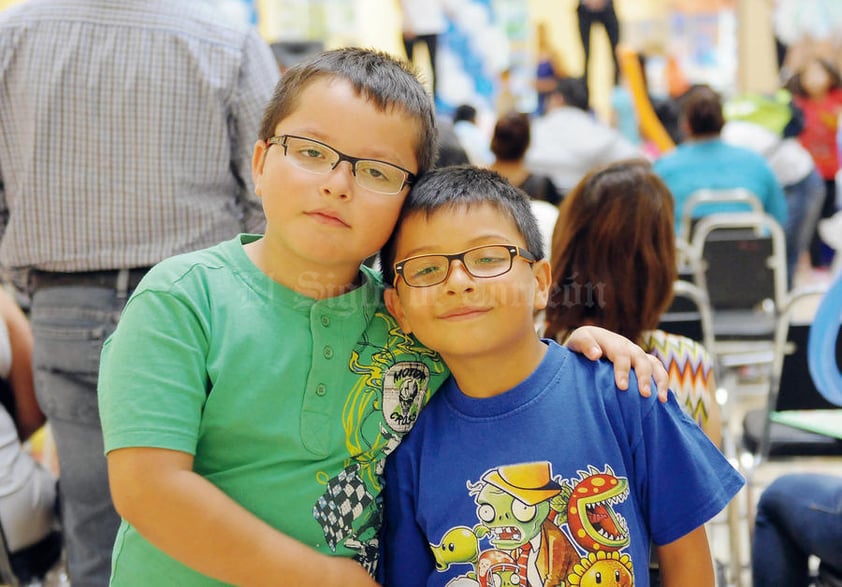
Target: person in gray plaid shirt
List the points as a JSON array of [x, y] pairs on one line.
[[128, 129]]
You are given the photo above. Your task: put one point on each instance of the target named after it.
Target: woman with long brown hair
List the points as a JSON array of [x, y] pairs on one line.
[[614, 266]]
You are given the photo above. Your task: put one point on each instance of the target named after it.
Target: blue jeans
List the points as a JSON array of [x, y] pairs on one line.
[[804, 201], [797, 516], [69, 326]]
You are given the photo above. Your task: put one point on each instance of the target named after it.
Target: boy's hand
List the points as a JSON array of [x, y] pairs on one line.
[[595, 342]]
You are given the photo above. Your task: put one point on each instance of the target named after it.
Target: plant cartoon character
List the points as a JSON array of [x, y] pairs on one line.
[[603, 569], [459, 545], [593, 522]]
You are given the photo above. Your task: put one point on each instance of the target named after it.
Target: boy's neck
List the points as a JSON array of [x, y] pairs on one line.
[[490, 375], [307, 279]]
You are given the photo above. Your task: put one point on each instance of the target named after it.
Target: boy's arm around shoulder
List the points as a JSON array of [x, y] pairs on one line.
[[189, 518], [595, 343]]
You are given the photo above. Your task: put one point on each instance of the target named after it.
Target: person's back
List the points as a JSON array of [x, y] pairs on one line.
[[568, 141], [128, 130], [120, 118], [509, 143], [719, 166], [614, 265], [549, 475], [705, 161]]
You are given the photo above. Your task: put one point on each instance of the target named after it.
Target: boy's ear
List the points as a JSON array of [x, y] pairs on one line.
[[543, 283], [258, 159], [393, 303]]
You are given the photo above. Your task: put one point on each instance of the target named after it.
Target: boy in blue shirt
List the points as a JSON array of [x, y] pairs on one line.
[[251, 391], [527, 467]]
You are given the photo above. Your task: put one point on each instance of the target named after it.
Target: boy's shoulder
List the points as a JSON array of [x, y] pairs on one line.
[[172, 270]]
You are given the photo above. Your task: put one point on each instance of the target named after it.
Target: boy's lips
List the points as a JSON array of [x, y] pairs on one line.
[[327, 216], [464, 312]]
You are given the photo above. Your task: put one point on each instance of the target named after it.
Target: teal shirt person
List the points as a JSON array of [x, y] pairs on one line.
[[713, 164]]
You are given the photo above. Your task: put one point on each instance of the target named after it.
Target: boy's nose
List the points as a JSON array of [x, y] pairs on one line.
[[458, 278], [339, 181]]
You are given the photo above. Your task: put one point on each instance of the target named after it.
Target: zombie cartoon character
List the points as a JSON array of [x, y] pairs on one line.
[[513, 504]]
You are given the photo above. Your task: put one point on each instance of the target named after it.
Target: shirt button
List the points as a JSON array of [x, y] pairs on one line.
[[321, 389], [325, 320], [328, 352]]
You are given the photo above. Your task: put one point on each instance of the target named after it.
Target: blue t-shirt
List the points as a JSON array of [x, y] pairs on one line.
[[561, 478]]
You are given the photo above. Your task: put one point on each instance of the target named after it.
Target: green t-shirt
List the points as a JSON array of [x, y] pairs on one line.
[[288, 404]]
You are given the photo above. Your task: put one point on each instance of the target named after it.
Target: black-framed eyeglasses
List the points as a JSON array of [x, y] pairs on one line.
[[482, 261], [317, 157]]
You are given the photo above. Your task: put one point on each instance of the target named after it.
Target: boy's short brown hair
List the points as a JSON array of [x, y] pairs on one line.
[[378, 77]]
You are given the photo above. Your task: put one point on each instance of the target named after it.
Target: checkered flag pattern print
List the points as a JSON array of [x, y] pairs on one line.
[[342, 502]]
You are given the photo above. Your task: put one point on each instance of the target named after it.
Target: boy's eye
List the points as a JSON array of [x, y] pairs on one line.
[[426, 271], [489, 260], [377, 173], [373, 173], [311, 152]]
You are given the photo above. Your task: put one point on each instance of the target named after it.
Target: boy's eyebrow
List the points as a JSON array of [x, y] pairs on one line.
[[486, 239]]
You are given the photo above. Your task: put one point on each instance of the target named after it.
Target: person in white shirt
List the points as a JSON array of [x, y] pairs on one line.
[[568, 141]]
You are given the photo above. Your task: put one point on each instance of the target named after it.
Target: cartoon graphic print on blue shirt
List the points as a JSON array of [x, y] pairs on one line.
[[397, 376], [537, 529]]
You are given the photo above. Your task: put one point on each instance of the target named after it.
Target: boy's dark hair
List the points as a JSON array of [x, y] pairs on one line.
[[574, 91], [378, 77], [511, 137], [701, 107], [460, 187], [465, 112]]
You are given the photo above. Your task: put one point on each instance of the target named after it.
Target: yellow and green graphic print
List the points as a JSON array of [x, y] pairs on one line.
[[396, 377]]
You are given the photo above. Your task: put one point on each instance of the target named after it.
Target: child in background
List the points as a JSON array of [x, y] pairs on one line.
[[527, 468], [817, 91], [252, 390]]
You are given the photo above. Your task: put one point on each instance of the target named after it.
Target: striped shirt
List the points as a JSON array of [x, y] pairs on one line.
[[126, 131]]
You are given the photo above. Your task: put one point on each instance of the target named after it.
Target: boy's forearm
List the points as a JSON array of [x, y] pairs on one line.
[[193, 521], [687, 562]]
